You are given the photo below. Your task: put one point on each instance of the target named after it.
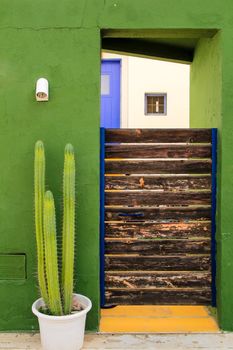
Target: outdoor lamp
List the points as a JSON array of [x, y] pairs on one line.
[[42, 90]]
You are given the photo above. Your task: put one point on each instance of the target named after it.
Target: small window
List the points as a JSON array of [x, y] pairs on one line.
[[105, 84], [156, 104]]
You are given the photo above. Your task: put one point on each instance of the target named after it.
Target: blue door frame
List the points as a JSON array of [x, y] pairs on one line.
[[102, 216], [213, 212]]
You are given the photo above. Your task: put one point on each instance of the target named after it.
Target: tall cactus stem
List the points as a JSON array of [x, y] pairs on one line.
[[39, 182], [68, 234], [51, 260]]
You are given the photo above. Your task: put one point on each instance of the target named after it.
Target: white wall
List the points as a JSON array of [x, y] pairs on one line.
[[140, 76]]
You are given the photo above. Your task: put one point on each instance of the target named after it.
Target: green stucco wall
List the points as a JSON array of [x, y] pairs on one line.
[[206, 84], [60, 40], [206, 112], [71, 115]]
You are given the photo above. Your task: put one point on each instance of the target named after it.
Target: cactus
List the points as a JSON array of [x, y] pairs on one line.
[[68, 228], [39, 202], [56, 286], [51, 261]]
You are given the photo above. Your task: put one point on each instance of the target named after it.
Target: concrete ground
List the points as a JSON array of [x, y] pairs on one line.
[[213, 341]]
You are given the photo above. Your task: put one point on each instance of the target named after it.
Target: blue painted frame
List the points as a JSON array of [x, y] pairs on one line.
[[102, 216], [213, 213]]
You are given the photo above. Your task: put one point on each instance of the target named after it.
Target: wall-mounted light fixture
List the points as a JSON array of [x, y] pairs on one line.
[[42, 90]]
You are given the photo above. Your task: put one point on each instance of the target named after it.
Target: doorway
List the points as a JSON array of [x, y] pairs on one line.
[[110, 93], [156, 104], [149, 93], [157, 227]]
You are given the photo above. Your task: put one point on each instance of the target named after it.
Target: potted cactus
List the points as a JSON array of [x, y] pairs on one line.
[[61, 313]]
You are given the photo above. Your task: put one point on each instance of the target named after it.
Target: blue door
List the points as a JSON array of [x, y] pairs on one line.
[[110, 94]]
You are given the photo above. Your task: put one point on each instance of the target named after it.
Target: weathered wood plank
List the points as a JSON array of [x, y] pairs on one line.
[[157, 230], [157, 151], [157, 214], [146, 197], [145, 279], [158, 135], [140, 297], [184, 166], [166, 183], [157, 263], [155, 246]]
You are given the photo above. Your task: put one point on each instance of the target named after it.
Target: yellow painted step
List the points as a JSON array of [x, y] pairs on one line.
[[157, 319], [156, 311]]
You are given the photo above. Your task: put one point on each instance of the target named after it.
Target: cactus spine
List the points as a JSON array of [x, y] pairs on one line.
[[39, 183], [56, 286], [68, 228]]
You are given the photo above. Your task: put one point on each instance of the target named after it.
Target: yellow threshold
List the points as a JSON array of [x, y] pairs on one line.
[[157, 319]]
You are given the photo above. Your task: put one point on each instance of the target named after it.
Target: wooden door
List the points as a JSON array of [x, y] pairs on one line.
[[158, 213]]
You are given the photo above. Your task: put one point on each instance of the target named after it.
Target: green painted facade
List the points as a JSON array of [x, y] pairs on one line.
[[205, 112], [61, 41], [206, 84]]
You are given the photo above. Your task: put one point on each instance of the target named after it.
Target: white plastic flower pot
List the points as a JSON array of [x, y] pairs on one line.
[[62, 332]]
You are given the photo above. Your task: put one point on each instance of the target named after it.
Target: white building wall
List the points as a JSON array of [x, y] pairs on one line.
[[140, 76]]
